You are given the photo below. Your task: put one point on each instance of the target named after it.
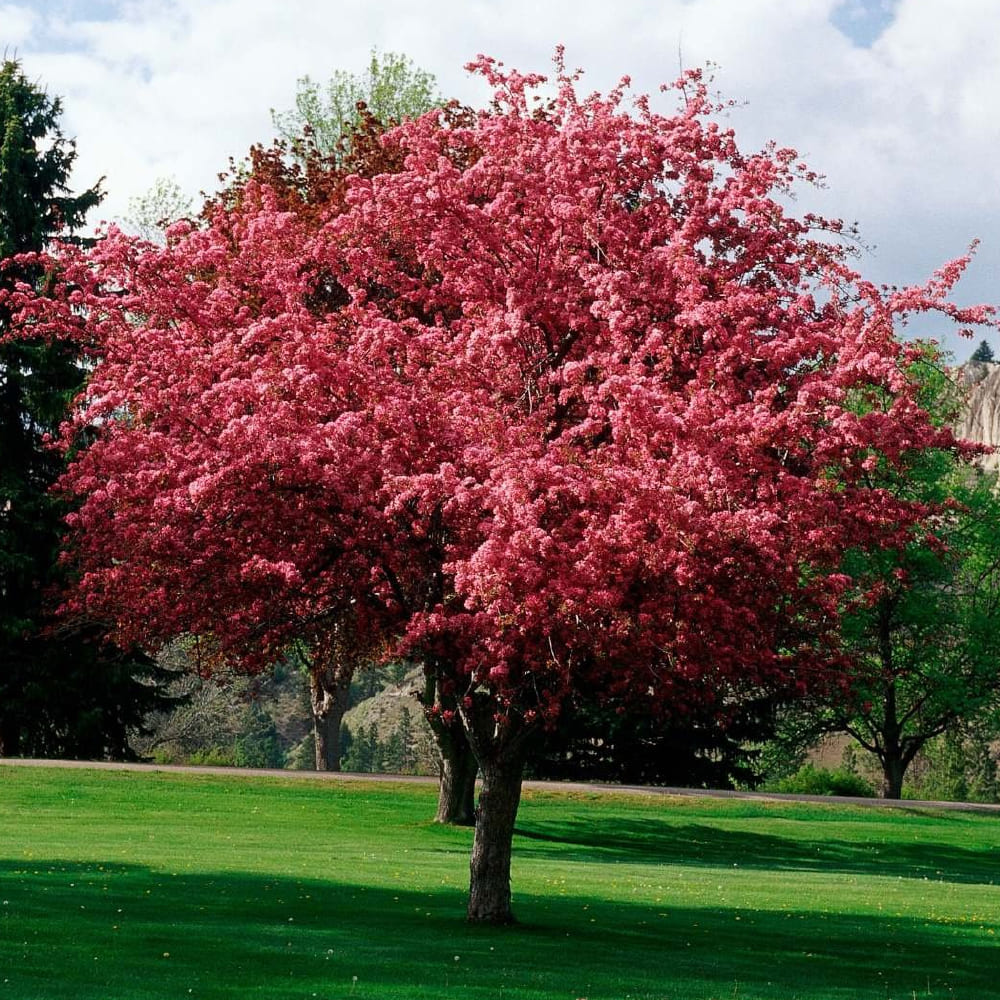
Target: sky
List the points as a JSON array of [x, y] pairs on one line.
[[893, 101]]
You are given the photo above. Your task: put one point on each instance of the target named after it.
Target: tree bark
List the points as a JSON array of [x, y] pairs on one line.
[[893, 770], [892, 756], [457, 791], [489, 867], [459, 766], [328, 694]]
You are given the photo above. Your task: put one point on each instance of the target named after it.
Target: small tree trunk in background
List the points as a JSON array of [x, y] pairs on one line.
[[328, 694], [489, 868], [457, 791]]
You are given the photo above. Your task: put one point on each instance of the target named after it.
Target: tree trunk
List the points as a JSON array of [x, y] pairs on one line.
[[489, 868], [893, 770], [457, 791], [328, 694], [892, 755]]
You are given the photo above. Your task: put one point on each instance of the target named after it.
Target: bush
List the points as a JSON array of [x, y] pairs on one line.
[[812, 780], [211, 757]]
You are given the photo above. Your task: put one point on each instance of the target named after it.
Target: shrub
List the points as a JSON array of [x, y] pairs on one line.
[[212, 757], [812, 780]]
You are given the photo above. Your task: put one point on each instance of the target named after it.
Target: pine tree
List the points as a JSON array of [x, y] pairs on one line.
[[62, 691], [983, 353]]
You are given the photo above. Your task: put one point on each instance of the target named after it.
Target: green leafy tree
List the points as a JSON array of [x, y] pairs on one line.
[[149, 214], [390, 90], [926, 642], [63, 691]]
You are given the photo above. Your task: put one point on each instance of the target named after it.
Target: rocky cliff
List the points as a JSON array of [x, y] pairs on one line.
[[981, 421]]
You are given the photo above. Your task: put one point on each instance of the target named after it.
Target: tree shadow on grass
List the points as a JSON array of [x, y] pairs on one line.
[[654, 841], [93, 932]]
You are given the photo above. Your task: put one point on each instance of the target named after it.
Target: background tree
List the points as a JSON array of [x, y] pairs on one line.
[[331, 655], [927, 642], [601, 740], [960, 765], [164, 203], [391, 90], [257, 743], [567, 402], [62, 692], [983, 353]]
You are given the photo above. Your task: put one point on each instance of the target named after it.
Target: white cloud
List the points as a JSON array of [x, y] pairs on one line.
[[16, 25], [904, 126]]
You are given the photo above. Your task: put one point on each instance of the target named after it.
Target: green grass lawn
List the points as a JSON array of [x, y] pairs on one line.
[[125, 886]]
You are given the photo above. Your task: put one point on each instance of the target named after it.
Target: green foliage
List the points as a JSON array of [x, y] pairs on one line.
[[361, 751], [367, 683], [63, 692], [407, 743], [926, 638], [812, 780], [215, 757], [616, 741], [151, 213], [391, 89], [257, 743], [983, 353], [35, 165], [212, 713], [177, 882], [365, 752], [302, 756], [959, 766]]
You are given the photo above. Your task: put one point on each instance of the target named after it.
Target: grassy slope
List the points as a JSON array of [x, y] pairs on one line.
[[133, 886]]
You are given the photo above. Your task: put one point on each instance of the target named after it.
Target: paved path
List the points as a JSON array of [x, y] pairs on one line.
[[545, 786]]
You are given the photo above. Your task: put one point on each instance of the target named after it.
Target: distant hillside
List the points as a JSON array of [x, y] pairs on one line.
[[394, 711]]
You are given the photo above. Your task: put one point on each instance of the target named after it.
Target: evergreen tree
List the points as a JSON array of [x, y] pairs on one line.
[[62, 692], [257, 744], [983, 353], [407, 742]]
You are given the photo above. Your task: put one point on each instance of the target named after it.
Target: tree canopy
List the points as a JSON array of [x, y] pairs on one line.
[[390, 90], [568, 399]]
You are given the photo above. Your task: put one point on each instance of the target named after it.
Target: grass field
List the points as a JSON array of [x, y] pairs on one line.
[[124, 886]]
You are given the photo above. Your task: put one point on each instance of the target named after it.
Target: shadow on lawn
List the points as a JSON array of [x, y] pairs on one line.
[[89, 932], [653, 841]]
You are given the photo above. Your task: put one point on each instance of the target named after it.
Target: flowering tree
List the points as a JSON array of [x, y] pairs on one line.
[[567, 400], [313, 187]]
